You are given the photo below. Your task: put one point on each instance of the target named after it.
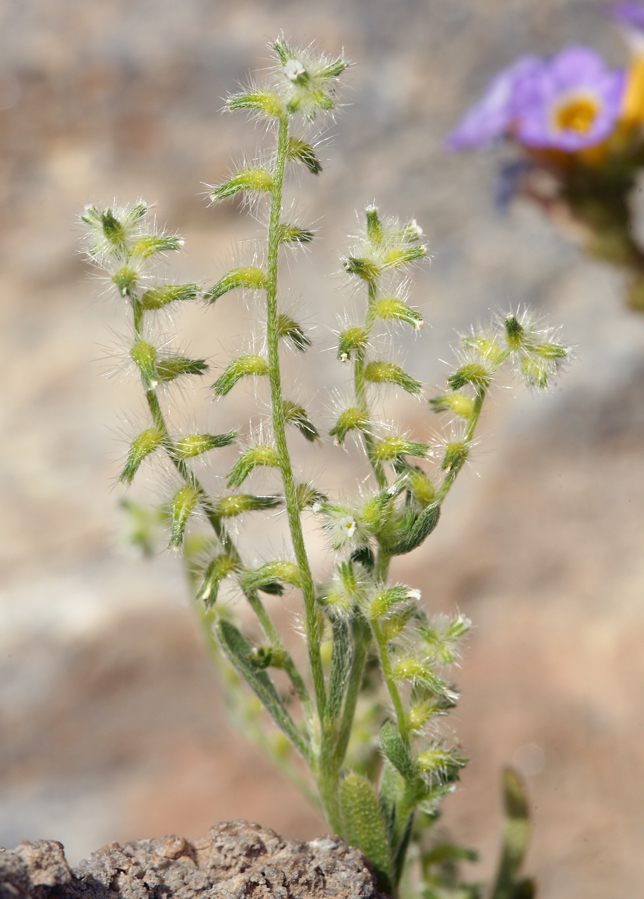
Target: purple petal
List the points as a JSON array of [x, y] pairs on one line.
[[491, 116], [627, 13]]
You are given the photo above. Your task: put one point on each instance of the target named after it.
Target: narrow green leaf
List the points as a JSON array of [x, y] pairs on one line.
[[365, 827], [239, 653], [418, 532], [516, 831], [341, 658], [395, 750]]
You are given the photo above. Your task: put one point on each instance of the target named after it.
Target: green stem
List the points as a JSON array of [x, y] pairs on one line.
[[452, 474], [279, 429], [360, 388], [362, 640], [385, 664]]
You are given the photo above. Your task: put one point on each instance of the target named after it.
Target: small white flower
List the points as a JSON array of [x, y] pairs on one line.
[[347, 525], [293, 69]]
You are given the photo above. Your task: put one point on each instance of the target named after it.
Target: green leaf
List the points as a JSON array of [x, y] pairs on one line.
[[394, 749], [418, 532], [365, 827], [239, 653], [341, 658], [516, 831]]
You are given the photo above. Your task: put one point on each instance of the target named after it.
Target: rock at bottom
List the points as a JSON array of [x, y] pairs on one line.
[[236, 860]]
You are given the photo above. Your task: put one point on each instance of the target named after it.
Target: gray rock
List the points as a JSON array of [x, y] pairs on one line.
[[235, 860]]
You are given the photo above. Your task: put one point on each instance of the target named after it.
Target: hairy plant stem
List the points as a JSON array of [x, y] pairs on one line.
[[387, 674], [360, 388], [326, 777]]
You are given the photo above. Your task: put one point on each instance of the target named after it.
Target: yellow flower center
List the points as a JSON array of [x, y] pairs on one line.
[[576, 113]]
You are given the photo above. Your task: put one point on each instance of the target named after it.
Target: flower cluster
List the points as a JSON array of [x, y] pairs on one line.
[[579, 125]]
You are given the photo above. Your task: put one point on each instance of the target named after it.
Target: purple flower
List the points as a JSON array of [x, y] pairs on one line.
[[628, 14], [492, 116], [569, 103]]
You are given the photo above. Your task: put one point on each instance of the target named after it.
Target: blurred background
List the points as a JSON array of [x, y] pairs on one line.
[[111, 721]]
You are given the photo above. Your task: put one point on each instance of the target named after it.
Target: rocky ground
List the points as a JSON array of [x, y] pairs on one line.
[[111, 721]]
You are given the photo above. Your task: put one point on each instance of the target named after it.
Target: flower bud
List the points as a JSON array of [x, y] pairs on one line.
[[303, 152], [147, 442], [236, 503], [254, 180], [288, 329], [151, 244], [474, 373], [381, 372], [266, 102], [388, 308], [379, 604], [351, 339], [459, 403], [391, 447], [181, 508], [173, 367], [455, 455], [248, 277], [158, 297], [351, 419], [253, 457], [414, 670], [196, 444], [296, 415], [244, 366], [125, 279], [219, 568], [272, 573], [144, 357], [295, 234]]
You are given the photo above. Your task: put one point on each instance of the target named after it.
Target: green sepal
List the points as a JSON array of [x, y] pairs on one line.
[[253, 457], [195, 444], [219, 568], [151, 244], [392, 447], [238, 652], [394, 749], [264, 101], [182, 506], [381, 372], [307, 495], [272, 573], [288, 329], [474, 373], [516, 831], [513, 332], [458, 403], [144, 357], [551, 350], [341, 659], [304, 153], [385, 599], [399, 256], [413, 670], [351, 419], [296, 415], [295, 234], [388, 308], [248, 277], [351, 339], [364, 826], [236, 503], [125, 279], [375, 232], [173, 367], [418, 532], [365, 269], [253, 180], [455, 455], [243, 367], [158, 297], [113, 229], [142, 445]]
